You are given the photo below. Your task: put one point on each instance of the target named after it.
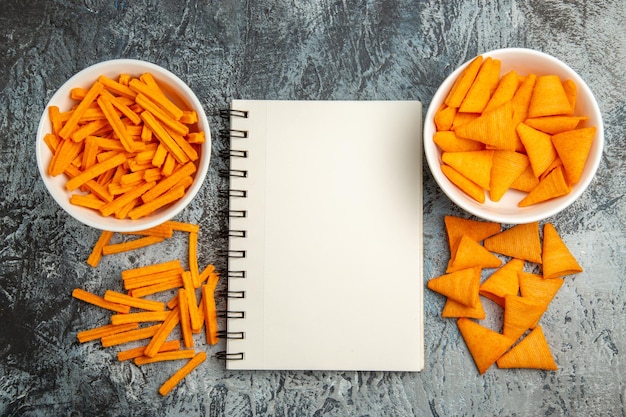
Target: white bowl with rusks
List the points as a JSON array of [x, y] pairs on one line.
[[177, 92], [507, 209]]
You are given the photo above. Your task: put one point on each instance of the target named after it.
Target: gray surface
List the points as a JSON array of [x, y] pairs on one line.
[[289, 50]]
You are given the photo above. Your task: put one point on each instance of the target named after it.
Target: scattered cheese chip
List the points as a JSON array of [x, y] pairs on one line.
[[461, 286], [502, 282], [520, 241], [478, 230], [471, 254], [452, 309], [521, 314], [532, 352], [485, 345], [558, 261]]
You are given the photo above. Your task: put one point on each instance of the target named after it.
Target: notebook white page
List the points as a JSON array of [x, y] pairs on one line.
[[333, 236]]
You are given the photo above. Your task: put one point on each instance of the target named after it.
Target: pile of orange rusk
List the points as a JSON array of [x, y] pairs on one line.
[[523, 296], [125, 147], [137, 318], [515, 132]]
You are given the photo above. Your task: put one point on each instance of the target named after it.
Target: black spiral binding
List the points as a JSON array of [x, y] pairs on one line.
[[231, 253]]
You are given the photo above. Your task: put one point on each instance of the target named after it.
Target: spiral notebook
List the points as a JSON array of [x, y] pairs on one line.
[[325, 248]]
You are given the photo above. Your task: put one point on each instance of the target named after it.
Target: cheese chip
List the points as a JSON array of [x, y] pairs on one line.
[[520, 241], [502, 282], [521, 314], [452, 309], [573, 148], [532, 352], [558, 261], [485, 345], [471, 254], [478, 230], [461, 286]]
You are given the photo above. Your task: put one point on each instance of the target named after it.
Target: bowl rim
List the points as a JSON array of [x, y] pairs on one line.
[[464, 202], [109, 223]]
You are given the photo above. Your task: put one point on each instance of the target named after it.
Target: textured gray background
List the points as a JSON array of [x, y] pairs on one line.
[[296, 50]]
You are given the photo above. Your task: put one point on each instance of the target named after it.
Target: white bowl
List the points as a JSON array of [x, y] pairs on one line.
[[523, 61], [177, 91]]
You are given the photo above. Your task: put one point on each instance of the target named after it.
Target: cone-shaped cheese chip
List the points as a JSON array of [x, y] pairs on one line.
[[494, 128], [532, 352], [549, 98], [520, 241], [502, 282], [538, 147], [463, 83], [552, 186], [506, 168], [473, 165], [537, 287], [485, 345], [555, 124], [468, 187], [470, 254], [558, 261], [478, 230], [455, 310], [573, 148], [521, 314], [461, 286]]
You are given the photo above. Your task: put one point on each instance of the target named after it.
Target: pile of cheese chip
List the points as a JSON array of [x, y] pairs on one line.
[[513, 131], [524, 296]]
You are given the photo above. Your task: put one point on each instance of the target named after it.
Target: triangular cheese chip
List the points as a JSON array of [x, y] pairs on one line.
[[520, 241], [570, 89], [573, 148], [473, 165], [532, 352], [472, 254], [478, 230], [521, 99], [549, 98], [463, 83], [521, 314], [506, 168], [552, 186], [526, 181], [485, 345], [507, 86], [555, 164], [468, 187], [537, 287], [502, 282], [483, 87], [555, 124], [448, 141], [558, 261], [444, 118], [494, 128], [463, 118], [455, 310], [538, 147], [461, 286]]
